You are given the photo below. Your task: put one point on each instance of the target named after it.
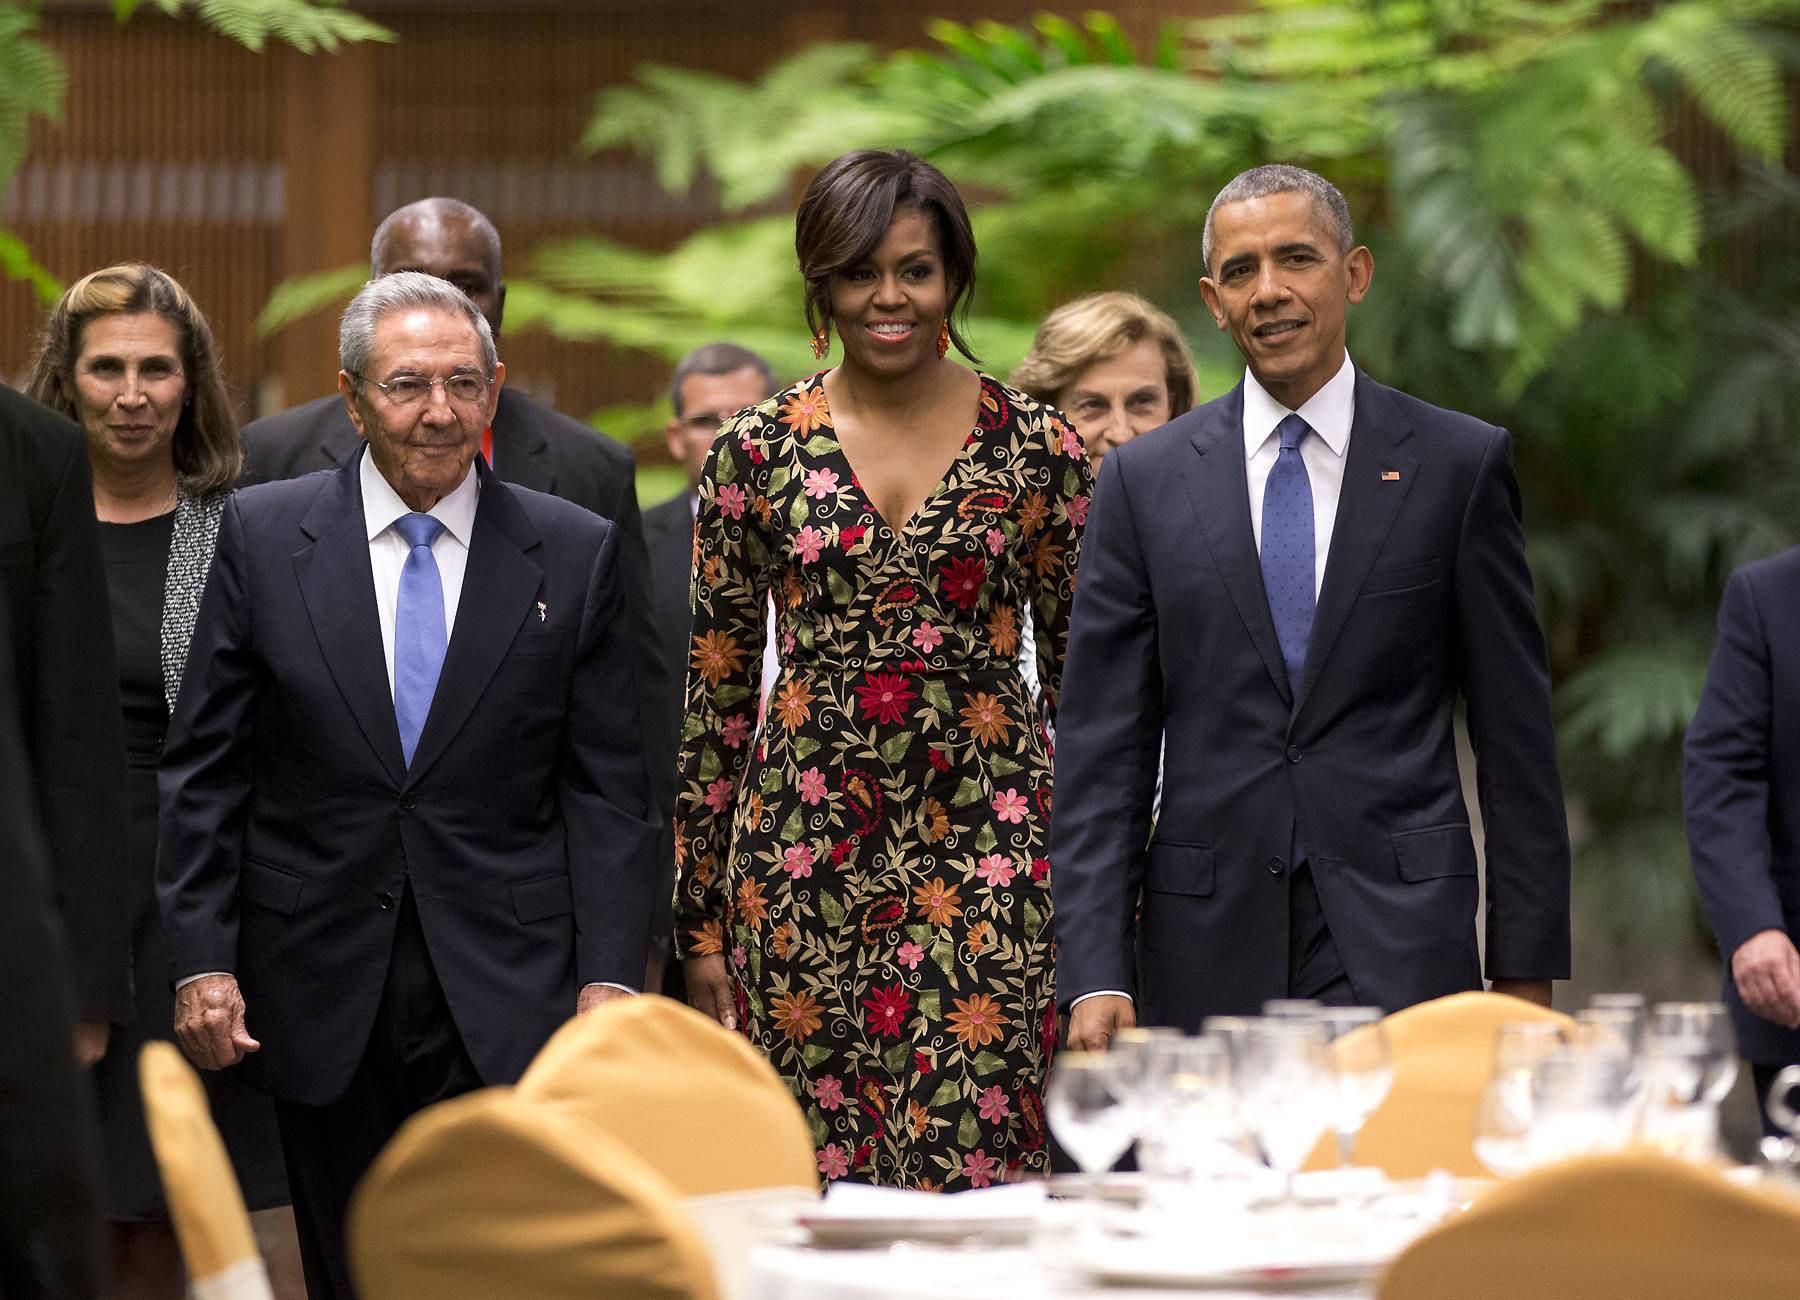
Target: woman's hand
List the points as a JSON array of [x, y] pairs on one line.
[[709, 988]]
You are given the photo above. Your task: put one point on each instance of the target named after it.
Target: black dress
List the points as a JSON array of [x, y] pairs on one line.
[[137, 559]]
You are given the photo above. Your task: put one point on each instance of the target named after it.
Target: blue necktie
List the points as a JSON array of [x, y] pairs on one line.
[[419, 638], [1287, 548]]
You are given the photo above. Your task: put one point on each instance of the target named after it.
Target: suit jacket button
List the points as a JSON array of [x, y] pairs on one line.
[[1293, 753], [386, 900], [1275, 866], [408, 802]]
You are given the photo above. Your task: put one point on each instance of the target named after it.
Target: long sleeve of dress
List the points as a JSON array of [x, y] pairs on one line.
[[734, 558], [1056, 548]]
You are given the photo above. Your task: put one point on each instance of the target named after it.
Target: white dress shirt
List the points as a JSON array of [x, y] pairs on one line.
[[1329, 412], [382, 507]]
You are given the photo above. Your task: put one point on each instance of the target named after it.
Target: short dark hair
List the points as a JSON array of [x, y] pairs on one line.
[[1283, 178], [847, 210], [718, 359]]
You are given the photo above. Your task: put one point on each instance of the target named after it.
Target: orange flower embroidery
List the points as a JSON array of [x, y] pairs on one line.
[[920, 1117], [781, 943], [796, 1014], [1033, 511], [977, 1020], [793, 703], [935, 821], [1044, 555], [1003, 631], [805, 411], [987, 719], [979, 934], [751, 904], [708, 939], [717, 655], [936, 901]]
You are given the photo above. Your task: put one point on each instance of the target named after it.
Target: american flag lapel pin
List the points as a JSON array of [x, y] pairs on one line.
[[1387, 476], [542, 612]]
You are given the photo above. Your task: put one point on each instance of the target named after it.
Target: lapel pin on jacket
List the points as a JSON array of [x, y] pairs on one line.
[[542, 612], [1387, 476]]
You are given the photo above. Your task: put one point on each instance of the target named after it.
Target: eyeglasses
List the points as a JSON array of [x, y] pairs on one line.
[[464, 388], [705, 421]]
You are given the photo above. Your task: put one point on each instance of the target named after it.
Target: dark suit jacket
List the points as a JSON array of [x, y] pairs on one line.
[[59, 632], [50, 1234], [669, 538], [1426, 596], [534, 447], [291, 825], [1742, 781]]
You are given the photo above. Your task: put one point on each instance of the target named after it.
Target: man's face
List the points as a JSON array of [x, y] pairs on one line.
[[422, 442], [1280, 287], [447, 247], [707, 401]]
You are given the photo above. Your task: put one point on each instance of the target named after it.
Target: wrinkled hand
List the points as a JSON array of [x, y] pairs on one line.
[[91, 1037], [709, 988], [1093, 1021], [1766, 970], [1537, 991], [595, 995], [209, 1022]]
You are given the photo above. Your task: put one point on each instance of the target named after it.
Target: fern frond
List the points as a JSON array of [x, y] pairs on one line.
[[307, 25], [1732, 76], [303, 295], [1633, 696]]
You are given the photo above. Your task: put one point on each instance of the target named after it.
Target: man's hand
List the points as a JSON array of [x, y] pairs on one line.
[[709, 988], [91, 1037], [594, 995], [1766, 970], [209, 1022], [1093, 1021], [1537, 991]]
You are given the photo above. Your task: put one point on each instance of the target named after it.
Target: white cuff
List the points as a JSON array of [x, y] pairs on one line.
[[205, 974], [1100, 993], [608, 984]]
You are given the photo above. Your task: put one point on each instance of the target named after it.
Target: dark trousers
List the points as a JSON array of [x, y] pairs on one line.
[[1314, 968], [414, 1057]]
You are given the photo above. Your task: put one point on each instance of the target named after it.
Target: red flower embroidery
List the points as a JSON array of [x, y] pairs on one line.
[[960, 581], [885, 697], [888, 1009]]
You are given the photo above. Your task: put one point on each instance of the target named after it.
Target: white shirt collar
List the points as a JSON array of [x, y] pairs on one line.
[[382, 505], [1328, 411]]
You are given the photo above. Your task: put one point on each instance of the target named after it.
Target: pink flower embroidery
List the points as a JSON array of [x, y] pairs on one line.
[[808, 542], [927, 638], [993, 1104], [995, 870], [978, 1167], [718, 794], [834, 1161], [1071, 444], [910, 955], [821, 483], [1009, 806], [812, 785], [828, 1091], [1078, 508], [798, 860], [731, 501], [996, 541], [735, 731]]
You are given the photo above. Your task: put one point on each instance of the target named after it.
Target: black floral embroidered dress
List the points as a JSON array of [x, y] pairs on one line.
[[871, 860]]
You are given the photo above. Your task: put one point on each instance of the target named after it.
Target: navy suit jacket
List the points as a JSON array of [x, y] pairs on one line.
[[291, 823], [1742, 780], [1426, 598]]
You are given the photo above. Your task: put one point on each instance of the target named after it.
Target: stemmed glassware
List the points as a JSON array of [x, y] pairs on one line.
[[1689, 1065], [1086, 1112], [1189, 1097], [1505, 1111], [1128, 1062], [1363, 1069], [1285, 1093]]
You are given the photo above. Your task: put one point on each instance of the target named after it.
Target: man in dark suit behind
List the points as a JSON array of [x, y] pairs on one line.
[[709, 386], [1293, 584], [1742, 791], [406, 828], [66, 688], [528, 444]]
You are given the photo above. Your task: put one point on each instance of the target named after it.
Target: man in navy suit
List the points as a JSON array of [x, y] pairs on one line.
[[406, 822], [1742, 791], [1294, 584]]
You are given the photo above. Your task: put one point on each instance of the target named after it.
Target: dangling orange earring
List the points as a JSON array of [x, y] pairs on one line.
[[821, 342], [944, 339]]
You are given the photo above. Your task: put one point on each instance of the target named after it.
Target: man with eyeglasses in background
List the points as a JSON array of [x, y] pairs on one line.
[[406, 823], [709, 386]]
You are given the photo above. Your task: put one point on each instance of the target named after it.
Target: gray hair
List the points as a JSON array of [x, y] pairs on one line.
[[1281, 178], [718, 359], [405, 291], [436, 209]]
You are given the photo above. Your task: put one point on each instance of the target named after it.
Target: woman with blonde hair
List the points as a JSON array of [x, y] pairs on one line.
[[1113, 364], [128, 355]]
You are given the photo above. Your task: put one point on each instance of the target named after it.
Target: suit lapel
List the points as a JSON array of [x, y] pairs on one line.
[[1366, 510], [340, 441], [339, 590], [1220, 489], [522, 455], [500, 584]]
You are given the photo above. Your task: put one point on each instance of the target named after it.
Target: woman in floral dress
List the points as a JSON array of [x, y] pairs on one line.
[[862, 881]]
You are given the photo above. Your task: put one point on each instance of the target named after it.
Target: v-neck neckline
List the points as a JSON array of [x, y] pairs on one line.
[[970, 439]]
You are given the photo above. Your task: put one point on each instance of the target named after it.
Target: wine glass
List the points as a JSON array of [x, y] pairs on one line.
[[1580, 1102], [1189, 1093], [1689, 1065], [1286, 1092], [1503, 1117], [1363, 1067], [1127, 1058], [1085, 1112]]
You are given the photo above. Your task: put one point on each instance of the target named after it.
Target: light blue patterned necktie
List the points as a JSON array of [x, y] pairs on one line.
[[419, 637], [1288, 555]]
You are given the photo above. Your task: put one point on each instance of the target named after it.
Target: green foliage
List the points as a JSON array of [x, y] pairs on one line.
[[310, 26], [303, 295]]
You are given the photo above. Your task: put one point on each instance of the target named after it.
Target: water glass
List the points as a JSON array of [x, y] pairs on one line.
[[1363, 1066], [1285, 1092], [1085, 1111], [1190, 1099]]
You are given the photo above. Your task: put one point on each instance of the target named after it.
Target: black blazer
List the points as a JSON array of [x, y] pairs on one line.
[[50, 1232], [534, 447], [669, 538], [1426, 597], [58, 626], [291, 825], [1742, 781]]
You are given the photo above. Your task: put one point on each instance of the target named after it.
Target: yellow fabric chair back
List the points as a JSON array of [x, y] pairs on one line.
[[490, 1195], [1443, 1051], [689, 1097], [1636, 1224], [205, 1203]]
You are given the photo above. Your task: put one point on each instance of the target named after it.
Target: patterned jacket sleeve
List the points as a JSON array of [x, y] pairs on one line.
[[735, 559], [1068, 486]]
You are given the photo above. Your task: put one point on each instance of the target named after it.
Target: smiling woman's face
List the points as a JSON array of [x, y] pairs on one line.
[[129, 388]]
